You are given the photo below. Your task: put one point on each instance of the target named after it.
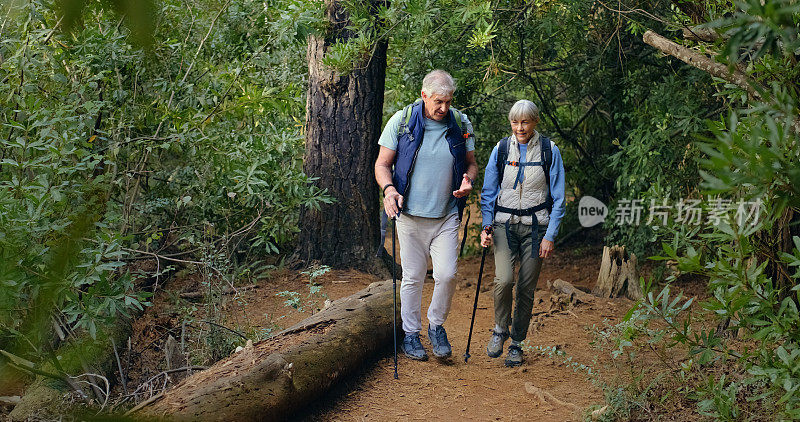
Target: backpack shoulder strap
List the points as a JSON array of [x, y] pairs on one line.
[[457, 115], [502, 157], [405, 118], [547, 161], [461, 123]]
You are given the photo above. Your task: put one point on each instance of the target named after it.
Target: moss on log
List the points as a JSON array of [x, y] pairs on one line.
[[47, 397], [279, 376]]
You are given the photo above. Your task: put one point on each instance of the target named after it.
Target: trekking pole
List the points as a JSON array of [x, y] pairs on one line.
[[394, 295], [475, 306]]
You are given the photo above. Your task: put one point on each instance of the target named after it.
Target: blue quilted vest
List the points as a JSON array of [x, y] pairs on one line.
[[409, 140]]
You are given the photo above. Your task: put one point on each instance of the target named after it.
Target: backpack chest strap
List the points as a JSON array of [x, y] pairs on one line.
[[525, 164]]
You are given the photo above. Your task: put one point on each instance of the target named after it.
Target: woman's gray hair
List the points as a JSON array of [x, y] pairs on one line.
[[523, 109], [438, 82]]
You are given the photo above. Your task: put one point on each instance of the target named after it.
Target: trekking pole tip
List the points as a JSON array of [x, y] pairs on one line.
[[466, 357]]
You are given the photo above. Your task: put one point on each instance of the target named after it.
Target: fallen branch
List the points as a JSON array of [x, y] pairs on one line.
[[700, 34], [574, 294], [701, 62], [22, 364], [226, 291], [10, 400], [599, 413], [545, 397]]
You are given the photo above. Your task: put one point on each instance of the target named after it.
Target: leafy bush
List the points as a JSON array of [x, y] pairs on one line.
[[188, 150]]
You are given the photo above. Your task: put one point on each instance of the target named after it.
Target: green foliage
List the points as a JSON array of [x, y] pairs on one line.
[[191, 146], [749, 360]]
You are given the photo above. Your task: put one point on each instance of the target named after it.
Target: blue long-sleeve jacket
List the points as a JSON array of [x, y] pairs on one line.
[[491, 187]]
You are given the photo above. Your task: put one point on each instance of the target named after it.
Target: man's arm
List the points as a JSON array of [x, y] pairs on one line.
[[392, 200]]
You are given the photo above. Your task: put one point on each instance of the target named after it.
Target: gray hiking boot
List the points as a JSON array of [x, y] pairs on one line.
[[495, 347], [441, 347], [412, 347], [514, 356]]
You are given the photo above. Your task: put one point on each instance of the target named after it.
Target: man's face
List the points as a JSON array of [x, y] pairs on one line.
[[436, 106]]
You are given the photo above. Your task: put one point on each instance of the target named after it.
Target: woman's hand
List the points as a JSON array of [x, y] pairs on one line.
[[545, 249], [486, 239]]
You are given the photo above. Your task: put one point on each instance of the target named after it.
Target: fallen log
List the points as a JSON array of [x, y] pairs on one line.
[[277, 377], [48, 397]]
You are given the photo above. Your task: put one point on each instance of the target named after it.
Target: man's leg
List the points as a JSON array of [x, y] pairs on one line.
[[529, 268], [444, 255], [414, 262]]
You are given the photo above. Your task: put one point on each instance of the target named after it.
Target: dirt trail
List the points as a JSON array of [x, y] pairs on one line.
[[484, 389]]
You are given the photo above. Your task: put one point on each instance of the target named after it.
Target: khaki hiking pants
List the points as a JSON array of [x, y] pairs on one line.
[[517, 247]]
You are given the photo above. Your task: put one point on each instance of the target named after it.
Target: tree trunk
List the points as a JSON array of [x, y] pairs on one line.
[[618, 274], [275, 378], [344, 115]]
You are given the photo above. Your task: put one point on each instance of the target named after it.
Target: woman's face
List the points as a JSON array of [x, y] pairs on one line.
[[523, 128]]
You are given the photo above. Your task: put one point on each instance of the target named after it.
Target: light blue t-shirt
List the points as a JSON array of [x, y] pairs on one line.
[[430, 191]]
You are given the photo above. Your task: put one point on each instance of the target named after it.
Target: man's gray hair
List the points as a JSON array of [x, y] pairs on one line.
[[438, 82], [523, 109]]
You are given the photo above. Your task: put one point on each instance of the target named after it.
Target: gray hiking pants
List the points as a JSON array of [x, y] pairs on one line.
[[516, 247]]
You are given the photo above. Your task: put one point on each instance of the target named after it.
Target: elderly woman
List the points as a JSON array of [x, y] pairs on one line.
[[522, 203]]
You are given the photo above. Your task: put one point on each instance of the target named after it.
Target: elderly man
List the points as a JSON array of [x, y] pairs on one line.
[[426, 167]]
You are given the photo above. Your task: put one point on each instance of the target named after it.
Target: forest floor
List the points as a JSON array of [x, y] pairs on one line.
[[483, 388], [561, 354]]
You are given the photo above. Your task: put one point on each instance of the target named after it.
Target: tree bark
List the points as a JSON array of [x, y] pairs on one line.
[[618, 274], [279, 376], [344, 115], [701, 62]]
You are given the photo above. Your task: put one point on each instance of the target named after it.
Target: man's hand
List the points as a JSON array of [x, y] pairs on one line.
[[486, 239], [392, 202], [545, 249], [465, 189]]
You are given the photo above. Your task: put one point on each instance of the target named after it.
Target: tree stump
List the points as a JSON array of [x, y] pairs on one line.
[[618, 274]]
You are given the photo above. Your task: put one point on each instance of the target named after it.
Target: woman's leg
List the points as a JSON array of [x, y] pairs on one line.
[[529, 267], [504, 260]]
